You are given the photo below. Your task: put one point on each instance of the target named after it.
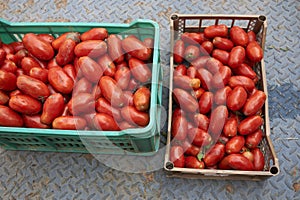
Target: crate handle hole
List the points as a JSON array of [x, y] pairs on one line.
[[262, 18], [274, 170], [174, 17], [169, 165]]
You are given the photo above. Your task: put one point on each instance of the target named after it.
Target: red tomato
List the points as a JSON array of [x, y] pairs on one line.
[[103, 106], [190, 149], [253, 139], [185, 82], [251, 36], [239, 162], [214, 155], [69, 123], [200, 62], [141, 99], [69, 69], [105, 122], [82, 85], [206, 102], [254, 103], [198, 93], [90, 69], [254, 52], [235, 144], [9, 49], [4, 98], [191, 72], [52, 63], [180, 70], [223, 164], [107, 65], [230, 127], [179, 127], [39, 73], [65, 53], [248, 155], [178, 112], [199, 137], [191, 52], [205, 77], [126, 125], [33, 87], [91, 48], [212, 31], [58, 41], [223, 43], [115, 50], [218, 118], [178, 52], [221, 78], [128, 98], [149, 42], [38, 47], [96, 92], [258, 159], [20, 55], [238, 36], [135, 117], [94, 34], [206, 48], [46, 37], [193, 38], [9, 117], [201, 121], [139, 70], [237, 56], [53, 107], [2, 56], [133, 84], [177, 156], [250, 124], [221, 55], [122, 77], [236, 98], [221, 95], [111, 91], [60, 81], [25, 104], [82, 103], [185, 100], [9, 66], [28, 63], [243, 81], [245, 70], [34, 121], [193, 162], [136, 48], [214, 65]]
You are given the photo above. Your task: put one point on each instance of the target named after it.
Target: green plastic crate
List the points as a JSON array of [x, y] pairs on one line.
[[139, 141]]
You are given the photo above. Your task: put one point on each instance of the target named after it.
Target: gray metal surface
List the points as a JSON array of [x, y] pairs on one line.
[[37, 175]]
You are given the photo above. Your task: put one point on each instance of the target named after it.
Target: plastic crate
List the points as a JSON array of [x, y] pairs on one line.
[[139, 141], [181, 23]]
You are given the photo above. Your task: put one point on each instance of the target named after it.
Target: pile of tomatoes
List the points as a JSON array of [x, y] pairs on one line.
[[89, 81], [217, 121]]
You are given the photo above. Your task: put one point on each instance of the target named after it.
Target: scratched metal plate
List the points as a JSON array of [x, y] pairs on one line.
[[36, 175]]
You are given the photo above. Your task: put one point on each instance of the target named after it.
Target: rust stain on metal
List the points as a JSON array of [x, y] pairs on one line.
[[229, 189], [296, 186], [149, 177], [60, 4]]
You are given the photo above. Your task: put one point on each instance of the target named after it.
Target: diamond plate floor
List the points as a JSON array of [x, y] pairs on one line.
[[36, 175]]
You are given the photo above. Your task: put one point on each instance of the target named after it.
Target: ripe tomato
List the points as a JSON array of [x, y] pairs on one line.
[[7, 81], [206, 102], [91, 48], [46, 37], [193, 162], [200, 62], [59, 40], [122, 77], [191, 72], [65, 53], [250, 124], [223, 43], [217, 120], [34, 121], [258, 159], [105, 122], [238, 36], [243, 81], [4, 98], [94, 34], [253, 139], [239, 162], [33, 87], [189, 148], [180, 70], [251, 36], [60, 81], [103, 106], [185, 100], [199, 137], [254, 103], [90, 69], [193, 38], [214, 65], [82, 85], [235, 144], [115, 51], [27, 63], [254, 52], [139, 70], [136, 48], [9, 66], [9, 117], [81, 103], [177, 156], [221, 55], [191, 52], [39, 73], [221, 78], [230, 127], [221, 95], [107, 65], [25, 104], [205, 77], [179, 127], [53, 107], [213, 31], [185, 82], [236, 98], [201, 121], [178, 52], [69, 123], [214, 155], [2, 56], [141, 99], [245, 70], [237, 56], [135, 117], [128, 95], [206, 48]]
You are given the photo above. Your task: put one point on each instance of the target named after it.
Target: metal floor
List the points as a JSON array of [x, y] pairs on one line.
[[38, 175]]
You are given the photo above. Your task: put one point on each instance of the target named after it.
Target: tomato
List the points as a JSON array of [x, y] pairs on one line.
[[223, 43], [17, 46], [136, 48], [178, 52], [9, 66], [191, 52], [223, 164], [135, 117], [59, 40], [199, 137], [205, 77], [206, 48], [103, 106], [221, 78], [60, 81], [133, 84], [177, 156], [149, 42], [82, 85], [81, 103], [206, 102], [91, 48], [221, 55], [179, 127], [213, 31], [9, 117], [251, 36], [46, 37], [237, 56], [53, 107], [115, 51], [221, 95], [128, 96], [69, 69], [200, 62], [250, 124], [238, 36], [254, 52], [193, 38], [189, 148], [33, 87], [185, 100], [214, 155], [141, 99], [243, 81], [4, 98], [249, 155], [180, 70], [236, 98], [25, 104], [201, 121], [253, 139], [38, 47], [258, 159], [96, 92], [218, 118], [193, 162], [254, 103], [239, 162], [178, 112], [34, 121], [65, 53], [27, 63], [191, 72], [235, 144], [39, 73], [185, 82], [8, 48], [107, 65], [52, 63], [245, 70], [94, 34], [2, 56], [111, 91], [214, 65], [126, 125], [105, 122], [139, 70], [20, 55], [90, 69], [230, 127], [69, 123], [198, 93]]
